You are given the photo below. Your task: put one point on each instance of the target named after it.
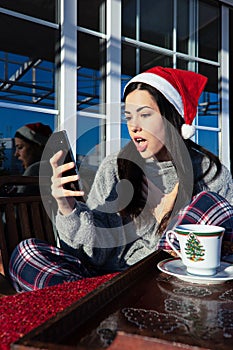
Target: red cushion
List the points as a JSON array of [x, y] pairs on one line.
[[22, 312]]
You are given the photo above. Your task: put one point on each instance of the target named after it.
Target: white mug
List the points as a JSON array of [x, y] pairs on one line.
[[200, 247]]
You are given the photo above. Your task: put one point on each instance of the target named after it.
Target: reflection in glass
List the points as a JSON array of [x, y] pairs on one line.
[[150, 59], [156, 22], [45, 10], [91, 14], [208, 30], [11, 120], [128, 60], [91, 74], [129, 18], [183, 35], [209, 140], [27, 59]]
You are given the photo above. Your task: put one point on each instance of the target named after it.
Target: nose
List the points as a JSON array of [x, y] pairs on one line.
[[135, 125]]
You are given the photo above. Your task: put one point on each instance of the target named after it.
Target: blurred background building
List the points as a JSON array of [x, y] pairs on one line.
[[66, 62]]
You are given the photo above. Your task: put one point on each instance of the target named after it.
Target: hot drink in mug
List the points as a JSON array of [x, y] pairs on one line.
[[200, 247]]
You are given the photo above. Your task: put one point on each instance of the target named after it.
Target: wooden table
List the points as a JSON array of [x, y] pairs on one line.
[[142, 308]]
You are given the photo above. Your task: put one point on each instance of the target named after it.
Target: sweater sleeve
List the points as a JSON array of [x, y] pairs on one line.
[[223, 185], [95, 228]]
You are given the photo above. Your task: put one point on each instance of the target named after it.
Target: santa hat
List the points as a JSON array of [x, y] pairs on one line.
[[36, 132], [180, 87]]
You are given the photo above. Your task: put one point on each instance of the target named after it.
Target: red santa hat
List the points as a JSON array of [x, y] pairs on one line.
[[180, 87], [36, 132]]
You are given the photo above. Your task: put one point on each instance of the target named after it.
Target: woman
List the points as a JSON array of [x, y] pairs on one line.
[[30, 141], [137, 194]]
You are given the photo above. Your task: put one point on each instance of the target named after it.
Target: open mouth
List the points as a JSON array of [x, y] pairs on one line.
[[139, 140], [141, 144]]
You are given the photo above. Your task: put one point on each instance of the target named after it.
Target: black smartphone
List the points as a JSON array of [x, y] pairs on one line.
[[59, 141]]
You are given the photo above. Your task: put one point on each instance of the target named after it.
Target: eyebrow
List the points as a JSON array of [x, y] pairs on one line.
[[139, 109]]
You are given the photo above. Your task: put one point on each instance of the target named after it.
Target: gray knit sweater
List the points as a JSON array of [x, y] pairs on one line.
[[100, 237]]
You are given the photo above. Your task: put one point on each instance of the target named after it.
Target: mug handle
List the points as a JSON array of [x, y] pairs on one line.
[[171, 244]]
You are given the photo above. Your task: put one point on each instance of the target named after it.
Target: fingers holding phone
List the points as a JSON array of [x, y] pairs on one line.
[[61, 186]]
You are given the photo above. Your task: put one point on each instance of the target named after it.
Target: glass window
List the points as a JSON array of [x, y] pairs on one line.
[[209, 30], [89, 128], [150, 59], [91, 100], [151, 27], [25, 80], [183, 16], [198, 28], [89, 81], [124, 134], [91, 14], [156, 22], [91, 74], [145, 58], [182, 64], [91, 153], [11, 120], [129, 18], [209, 140], [43, 9], [128, 58], [208, 116], [27, 56], [209, 104]]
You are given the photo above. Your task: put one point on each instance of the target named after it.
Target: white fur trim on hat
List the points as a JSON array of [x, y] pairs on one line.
[[31, 135], [161, 84], [187, 131]]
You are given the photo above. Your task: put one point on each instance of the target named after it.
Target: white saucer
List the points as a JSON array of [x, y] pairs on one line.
[[176, 268]]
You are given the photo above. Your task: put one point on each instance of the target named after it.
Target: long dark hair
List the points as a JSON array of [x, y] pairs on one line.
[[131, 164]]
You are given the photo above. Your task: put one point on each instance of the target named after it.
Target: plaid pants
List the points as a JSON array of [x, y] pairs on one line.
[[206, 208], [35, 264]]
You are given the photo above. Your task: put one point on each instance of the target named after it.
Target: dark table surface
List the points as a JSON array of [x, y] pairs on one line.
[[143, 308]]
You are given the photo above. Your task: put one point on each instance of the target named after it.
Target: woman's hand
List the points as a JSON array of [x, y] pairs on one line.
[[65, 198], [159, 202]]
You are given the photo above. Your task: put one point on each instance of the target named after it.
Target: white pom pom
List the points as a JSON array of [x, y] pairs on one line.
[[187, 131]]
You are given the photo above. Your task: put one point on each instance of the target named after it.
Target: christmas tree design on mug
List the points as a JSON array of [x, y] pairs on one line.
[[194, 250]]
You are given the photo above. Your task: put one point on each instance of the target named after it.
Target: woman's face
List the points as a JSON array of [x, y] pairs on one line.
[[25, 152], [145, 124]]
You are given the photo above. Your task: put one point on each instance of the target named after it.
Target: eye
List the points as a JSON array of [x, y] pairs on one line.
[[127, 116], [145, 115]]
